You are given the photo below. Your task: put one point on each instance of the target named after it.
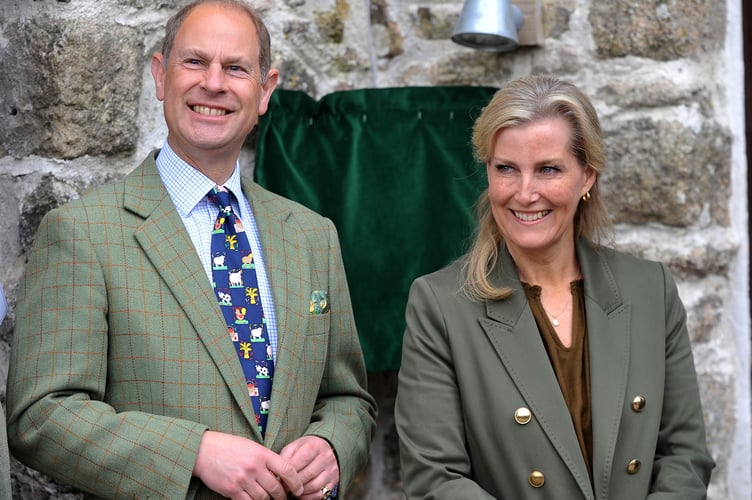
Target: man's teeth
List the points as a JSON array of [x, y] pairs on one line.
[[527, 217], [204, 110]]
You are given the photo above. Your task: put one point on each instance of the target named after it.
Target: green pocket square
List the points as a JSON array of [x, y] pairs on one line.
[[319, 302]]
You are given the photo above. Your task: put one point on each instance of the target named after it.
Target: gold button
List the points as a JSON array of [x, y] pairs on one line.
[[634, 466], [522, 416], [638, 403], [536, 479]]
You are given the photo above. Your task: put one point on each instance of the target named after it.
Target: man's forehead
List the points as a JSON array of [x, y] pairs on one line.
[[234, 12], [189, 36]]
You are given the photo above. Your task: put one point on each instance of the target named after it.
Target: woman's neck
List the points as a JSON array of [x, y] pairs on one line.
[[550, 270]]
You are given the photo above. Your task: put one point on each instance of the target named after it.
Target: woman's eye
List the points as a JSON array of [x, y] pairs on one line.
[[503, 168], [549, 169]]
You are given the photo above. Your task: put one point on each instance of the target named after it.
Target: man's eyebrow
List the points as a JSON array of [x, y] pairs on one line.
[[230, 59], [192, 52]]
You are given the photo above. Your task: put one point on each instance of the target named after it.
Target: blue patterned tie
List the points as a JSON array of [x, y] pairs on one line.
[[237, 290]]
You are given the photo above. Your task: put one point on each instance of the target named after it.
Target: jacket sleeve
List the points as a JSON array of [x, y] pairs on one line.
[[682, 465], [344, 413], [58, 420], [428, 416]]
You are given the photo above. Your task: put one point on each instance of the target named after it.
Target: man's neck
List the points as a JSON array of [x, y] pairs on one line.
[[217, 165]]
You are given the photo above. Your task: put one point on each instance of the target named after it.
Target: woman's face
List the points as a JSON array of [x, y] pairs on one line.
[[535, 184]]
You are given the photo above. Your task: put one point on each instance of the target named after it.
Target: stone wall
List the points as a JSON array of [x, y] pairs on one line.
[[77, 110]]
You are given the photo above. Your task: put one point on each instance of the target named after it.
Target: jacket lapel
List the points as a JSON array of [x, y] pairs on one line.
[[282, 258], [168, 247], [608, 320], [512, 329]]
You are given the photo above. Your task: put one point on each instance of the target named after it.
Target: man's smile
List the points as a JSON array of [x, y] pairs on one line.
[[207, 111]]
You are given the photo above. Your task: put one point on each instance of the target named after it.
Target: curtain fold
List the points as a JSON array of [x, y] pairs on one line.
[[393, 169]]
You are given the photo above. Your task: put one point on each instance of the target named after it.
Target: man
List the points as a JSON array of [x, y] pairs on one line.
[[5, 486], [125, 380]]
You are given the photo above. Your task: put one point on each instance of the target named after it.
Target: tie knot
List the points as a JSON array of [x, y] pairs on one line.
[[220, 196]]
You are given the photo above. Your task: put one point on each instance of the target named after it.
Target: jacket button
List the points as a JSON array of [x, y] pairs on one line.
[[633, 466], [638, 403], [536, 479], [522, 416]]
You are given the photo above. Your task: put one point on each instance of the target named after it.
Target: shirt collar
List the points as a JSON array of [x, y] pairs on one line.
[[186, 185]]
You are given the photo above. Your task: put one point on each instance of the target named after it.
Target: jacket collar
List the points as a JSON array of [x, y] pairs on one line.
[[600, 284]]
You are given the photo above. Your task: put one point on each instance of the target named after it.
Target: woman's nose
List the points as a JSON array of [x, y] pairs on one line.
[[527, 189]]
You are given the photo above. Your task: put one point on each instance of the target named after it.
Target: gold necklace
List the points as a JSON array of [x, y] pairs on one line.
[[554, 318]]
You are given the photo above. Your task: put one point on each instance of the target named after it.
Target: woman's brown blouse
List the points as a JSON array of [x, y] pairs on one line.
[[571, 364]]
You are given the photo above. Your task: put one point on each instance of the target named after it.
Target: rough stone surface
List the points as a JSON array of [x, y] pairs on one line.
[[77, 110], [657, 91], [667, 173], [70, 88], [658, 29], [388, 38], [556, 17], [471, 68]]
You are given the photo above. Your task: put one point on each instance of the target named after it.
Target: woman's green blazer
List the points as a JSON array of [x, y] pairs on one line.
[[480, 414]]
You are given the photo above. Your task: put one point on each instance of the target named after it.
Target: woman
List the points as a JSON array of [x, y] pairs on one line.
[[543, 365]]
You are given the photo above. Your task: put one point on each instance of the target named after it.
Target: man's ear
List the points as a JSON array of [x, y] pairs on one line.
[[267, 89], [158, 73]]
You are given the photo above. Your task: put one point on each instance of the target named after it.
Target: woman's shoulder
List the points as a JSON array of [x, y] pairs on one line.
[[623, 267], [619, 258], [450, 273], [447, 279]]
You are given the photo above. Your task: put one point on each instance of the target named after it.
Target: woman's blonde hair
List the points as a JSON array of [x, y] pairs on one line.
[[520, 102]]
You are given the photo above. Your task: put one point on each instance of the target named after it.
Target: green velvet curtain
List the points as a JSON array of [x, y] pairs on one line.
[[393, 168]]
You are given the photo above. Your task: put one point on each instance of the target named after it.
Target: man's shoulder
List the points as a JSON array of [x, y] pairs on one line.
[[262, 198], [110, 194]]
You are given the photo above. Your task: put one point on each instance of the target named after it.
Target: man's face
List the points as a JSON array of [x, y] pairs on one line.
[[211, 85]]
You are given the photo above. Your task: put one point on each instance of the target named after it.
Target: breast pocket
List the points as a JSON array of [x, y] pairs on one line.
[[319, 324]]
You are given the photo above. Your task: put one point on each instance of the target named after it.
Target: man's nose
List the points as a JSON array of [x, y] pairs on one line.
[[214, 78]]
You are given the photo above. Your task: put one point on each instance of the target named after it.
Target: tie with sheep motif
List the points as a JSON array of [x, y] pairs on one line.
[[236, 287]]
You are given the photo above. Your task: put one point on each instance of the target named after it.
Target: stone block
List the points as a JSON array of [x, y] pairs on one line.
[[294, 75], [153, 4], [471, 67], [662, 88], [434, 23], [658, 29], [665, 172], [556, 17], [69, 88]]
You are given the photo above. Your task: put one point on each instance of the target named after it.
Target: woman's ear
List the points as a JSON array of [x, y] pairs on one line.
[[590, 176]]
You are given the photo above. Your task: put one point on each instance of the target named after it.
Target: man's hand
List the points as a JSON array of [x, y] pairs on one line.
[[316, 464], [239, 468]]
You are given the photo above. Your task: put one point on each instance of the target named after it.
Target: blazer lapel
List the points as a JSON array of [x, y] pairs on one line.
[[166, 243], [281, 255], [512, 329], [608, 320]]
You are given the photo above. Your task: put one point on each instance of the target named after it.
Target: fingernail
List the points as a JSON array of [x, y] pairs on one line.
[[300, 491]]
